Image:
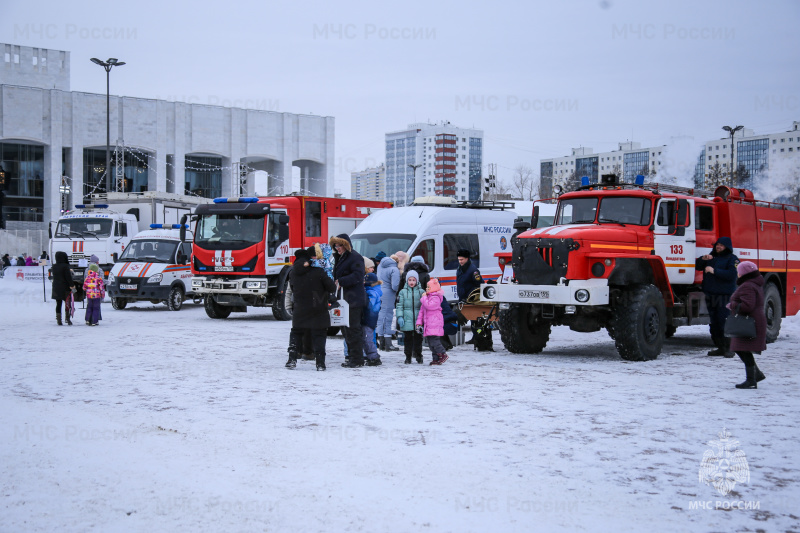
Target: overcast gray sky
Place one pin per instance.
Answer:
(537, 77)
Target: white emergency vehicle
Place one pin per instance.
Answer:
(154, 267)
(436, 229)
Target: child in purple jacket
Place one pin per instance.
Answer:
(430, 321)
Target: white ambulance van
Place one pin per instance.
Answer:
(155, 267)
(436, 229)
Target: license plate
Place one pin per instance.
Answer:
(127, 287)
(223, 269)
(535, 294)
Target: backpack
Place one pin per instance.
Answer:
(483, 332)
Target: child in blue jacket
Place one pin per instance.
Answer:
(369, 319)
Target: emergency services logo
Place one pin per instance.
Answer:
(503, 243)
(723, 464)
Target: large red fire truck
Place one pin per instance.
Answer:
(243, 247)
(622, 257)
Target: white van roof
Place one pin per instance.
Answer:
(416, 219)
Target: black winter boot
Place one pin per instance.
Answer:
(388, 346)
(408, 359)
(760, 375)
(750, 382)
(58, 318)
(321, 363)
(291, 363)
(418, 357)
(67, 319)
(726, 346)
(381, 343)
(720, 346)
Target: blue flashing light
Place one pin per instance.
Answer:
(243, 200)
(245, 268)
(167, 226)
(585, 181)
(101, 206)
(639, 179)
(80, 206)
(202, 268)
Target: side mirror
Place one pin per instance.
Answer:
(114, 257)
(50, 230)
(181, 258)
(283, 233)
(283, 219)
(183, 228)
(535, 217)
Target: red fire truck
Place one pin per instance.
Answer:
(243, 247)
(622, 256)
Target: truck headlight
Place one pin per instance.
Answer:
(197, 283)
(155, 278)
(489, 293)
(582, 295)
(255, 284)
(111, 278)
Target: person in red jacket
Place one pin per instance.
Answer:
(748, 299)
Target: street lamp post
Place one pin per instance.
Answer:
(108, 65)
(415, 167)
(732, 132)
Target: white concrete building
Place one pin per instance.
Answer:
(433, 159)
(369, 184)
(628, 160)
(52, 138)
(756, 154)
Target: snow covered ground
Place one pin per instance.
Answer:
(162, 421)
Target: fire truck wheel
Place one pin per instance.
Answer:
(214, 310)
(773, 309)
(118, 303)
(175, 298)
(282, 305)
(522, 331)
(640, 322)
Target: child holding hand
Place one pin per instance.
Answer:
(407, 310)
(430, 321)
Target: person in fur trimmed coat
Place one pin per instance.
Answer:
(749, 300)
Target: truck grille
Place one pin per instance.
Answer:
(541, 261)
(74, 259)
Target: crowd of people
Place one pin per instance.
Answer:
(25, 260)
(325, 275)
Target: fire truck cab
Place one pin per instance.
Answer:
(243, 247)
(622, 257)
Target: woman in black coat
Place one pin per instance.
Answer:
(62, 284)
(311, 288)
(749, 300)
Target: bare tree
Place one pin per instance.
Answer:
(525, 185)
(716, 176)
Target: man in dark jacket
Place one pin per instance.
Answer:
(311, 287)
(348, 273)
(62, 284)
(719, 282)
(468, 278)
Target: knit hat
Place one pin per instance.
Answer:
(94, 259)
(745, 267)
(370, 279)
(412, 274)
(368, 263)
(433, 285)
(302, 255)
(380, 255)
(94, 268)
(417, 259)
(463, 253)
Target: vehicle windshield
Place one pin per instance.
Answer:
(370, 244)
(229, 232)
(149, 251)
(613, 210)
(84, 227)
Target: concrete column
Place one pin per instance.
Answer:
(289, 151)
(328, 173)
(53, 134)
(78, 142)
(179, 133)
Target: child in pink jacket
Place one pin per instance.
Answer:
(430, 321)
(95, 292)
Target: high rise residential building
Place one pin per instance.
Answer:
(369, 184)
(627, 161)
(433, 159)
(754, 156)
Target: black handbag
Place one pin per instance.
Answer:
(740, 326)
